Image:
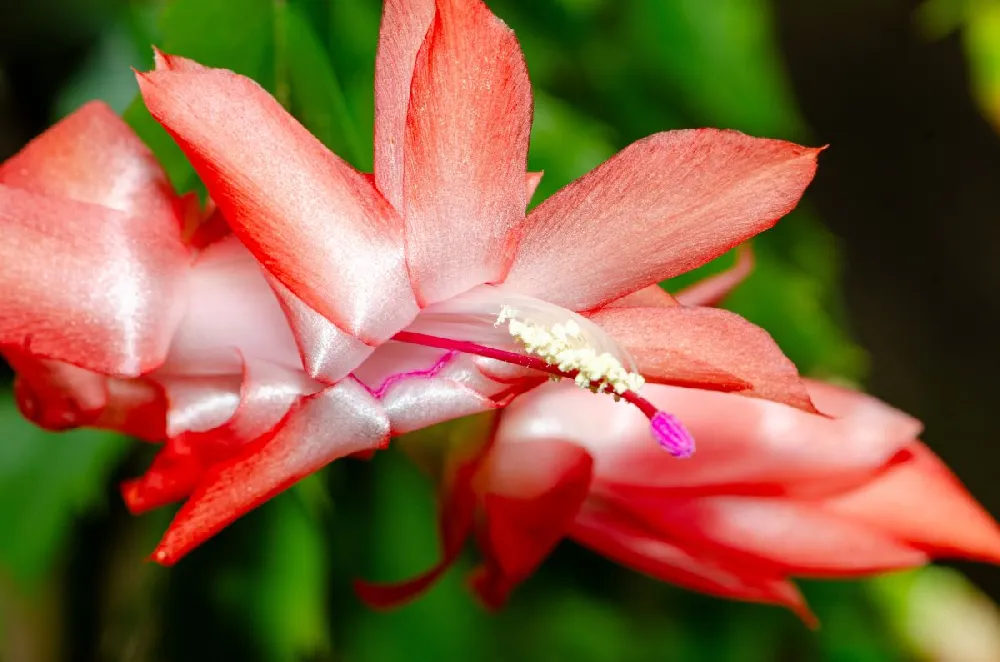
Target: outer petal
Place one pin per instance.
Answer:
(93, 156)
(653, 296)
(614, 535)
(792, 537)
(314, 222)
(466, 147)
(341, 420)
(531, 500)
(87, 284)
(706, 347)
(660, 207)
(714, 289)
(404, 27)
(265, 397)
(744, 445)
(918, 500)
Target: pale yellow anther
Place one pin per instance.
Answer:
(564, 346)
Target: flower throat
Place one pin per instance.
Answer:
(561, 351)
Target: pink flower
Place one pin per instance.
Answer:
(773, 492)
(395, 285)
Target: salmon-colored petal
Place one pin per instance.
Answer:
(93, 156)
(86, 284)
(611, 534)
(662, 206)
(531, 500)
(919, 501)
(404, 27)
(313, 221)
(743, 445)
(338, 421)
(266, 395)
(465, 151)
(793, 537)
(708, 348)
(714, 289)
(653, 296)
(531, 182)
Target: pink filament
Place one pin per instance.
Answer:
(670, 433)
(394, 379)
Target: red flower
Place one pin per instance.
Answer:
(773, 493)
(396, 281)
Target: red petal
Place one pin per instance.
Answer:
(534, 493)
(341, 420)
(404, 27)
(465, 152)
(707, 348)
(86, 284)
(714, 289)
(313, 221)
(628, 542)
(744, 445)
(93, 156)
(918, 500)
(661, 207)
(653, 296)
(792, 537)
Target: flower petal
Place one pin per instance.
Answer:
(313, 221)
(744, 445)
(653, 296)
(404, 27)
(708, 348)
(93, 156)
(465, 152)
(792, 537)
(340, 420)
(662, 206)
(613, 535)
(532, 496)
(918, 500)
(86, 284)
(714, 289)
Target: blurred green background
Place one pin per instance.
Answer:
(906, 93)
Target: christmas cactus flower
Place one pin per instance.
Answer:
(424, 292)
(774, 492)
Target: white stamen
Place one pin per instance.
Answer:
(564, 346)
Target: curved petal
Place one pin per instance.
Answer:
(404, 27)
(918, 500)
(744, 445)
(531, 499)
(714, 289)
(465, 151)
(87, 284)
(232, 315)
(266, 394)
(93, 156)
(313, 221)
(60, 396)
(610, 534)
(662, 206)
(338, 421)
(707, 348)
(653, 296)
(793, 537)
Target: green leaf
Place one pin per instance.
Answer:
(46, 481)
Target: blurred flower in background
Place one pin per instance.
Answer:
(275, 586)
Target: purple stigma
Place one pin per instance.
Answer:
(671, 435)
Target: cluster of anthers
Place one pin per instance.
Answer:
(563, 346)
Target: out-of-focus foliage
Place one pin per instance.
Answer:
(275, 587)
